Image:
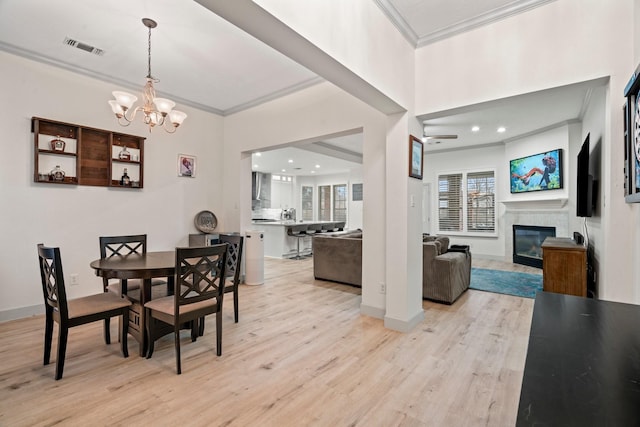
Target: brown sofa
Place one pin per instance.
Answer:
(445, 274)
(338, 257)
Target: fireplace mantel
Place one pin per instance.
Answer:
(535, 204)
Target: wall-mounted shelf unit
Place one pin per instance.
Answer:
(87, 156)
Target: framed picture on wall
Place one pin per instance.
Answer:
(186, 165)
(416, 157)
(632, 139)
(537, 172)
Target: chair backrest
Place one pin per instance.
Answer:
(234, 255)
(55, 295)
(122, 245)
(200, 274)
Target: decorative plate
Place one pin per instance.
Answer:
(206, 221)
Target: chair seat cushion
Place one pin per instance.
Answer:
(166, 305)
(98, 303)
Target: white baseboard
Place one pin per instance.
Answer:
(371, 311)
(21, 313)
(404, 325)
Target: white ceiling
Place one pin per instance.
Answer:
(203, 61)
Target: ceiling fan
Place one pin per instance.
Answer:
(427, 137)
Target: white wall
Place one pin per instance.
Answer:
(553, 139)
(312, 115)
(560, 43)
(594, 125)
(73, 217)
(375, 51)
(487, 158)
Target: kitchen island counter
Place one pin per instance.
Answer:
(278, 244)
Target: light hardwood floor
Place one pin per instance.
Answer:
(301, 355)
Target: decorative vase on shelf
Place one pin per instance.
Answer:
(57, 174)
(57, 144)
(124, 154)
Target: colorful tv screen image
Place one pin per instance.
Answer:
(537, 172)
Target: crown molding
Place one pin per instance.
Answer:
(489, 17)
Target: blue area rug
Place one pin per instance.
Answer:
(506, 282)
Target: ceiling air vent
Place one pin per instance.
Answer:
(83, 46)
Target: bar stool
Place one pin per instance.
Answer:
(299, 232)
(312, 230)
(328, 226)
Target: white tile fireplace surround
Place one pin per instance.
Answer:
(543, 213)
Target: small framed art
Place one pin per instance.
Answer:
(415, 157)
(186, 165)
(632, 139)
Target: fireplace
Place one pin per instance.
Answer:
(527, 242)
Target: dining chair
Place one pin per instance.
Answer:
(234, 261)
(122, 246)
(73, 312)
(232, 271)
(199, 291)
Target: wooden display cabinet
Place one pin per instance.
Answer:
(133, 162)
(88, 156)
(564, 266)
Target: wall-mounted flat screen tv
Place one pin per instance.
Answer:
(537, 172)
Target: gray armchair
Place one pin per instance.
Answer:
(445, 275)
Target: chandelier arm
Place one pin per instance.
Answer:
(124, 123)
(132, 114)
(169, 130)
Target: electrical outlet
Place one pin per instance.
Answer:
(74, 279)
(383, 288)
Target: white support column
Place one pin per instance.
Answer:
(404, 230)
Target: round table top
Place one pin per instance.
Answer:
(136, 266)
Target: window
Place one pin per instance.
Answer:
(324, 203)
(481, 212)
(307, 203)
(340, 202)
(450, 202)
(475, 214)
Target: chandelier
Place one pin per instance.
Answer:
(157, 111)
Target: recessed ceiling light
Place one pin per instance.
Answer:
(502, 129)
(475, 128)
(284, 170)
(290, 160)
(258, 154)
(313, 171)
(255, 166)
(317, 166)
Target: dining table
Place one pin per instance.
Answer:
(144, 266)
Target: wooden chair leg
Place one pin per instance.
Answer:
(201, 326)
(107, 331)
(63, 334)
(176, 334)
(219, 333)
(48, 336)
(124, 331)
(150, 326)
(235, 302)
(195, 329)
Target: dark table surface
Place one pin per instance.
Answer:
(583, 364)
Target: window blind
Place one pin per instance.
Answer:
(481, 211)
(450, 202)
